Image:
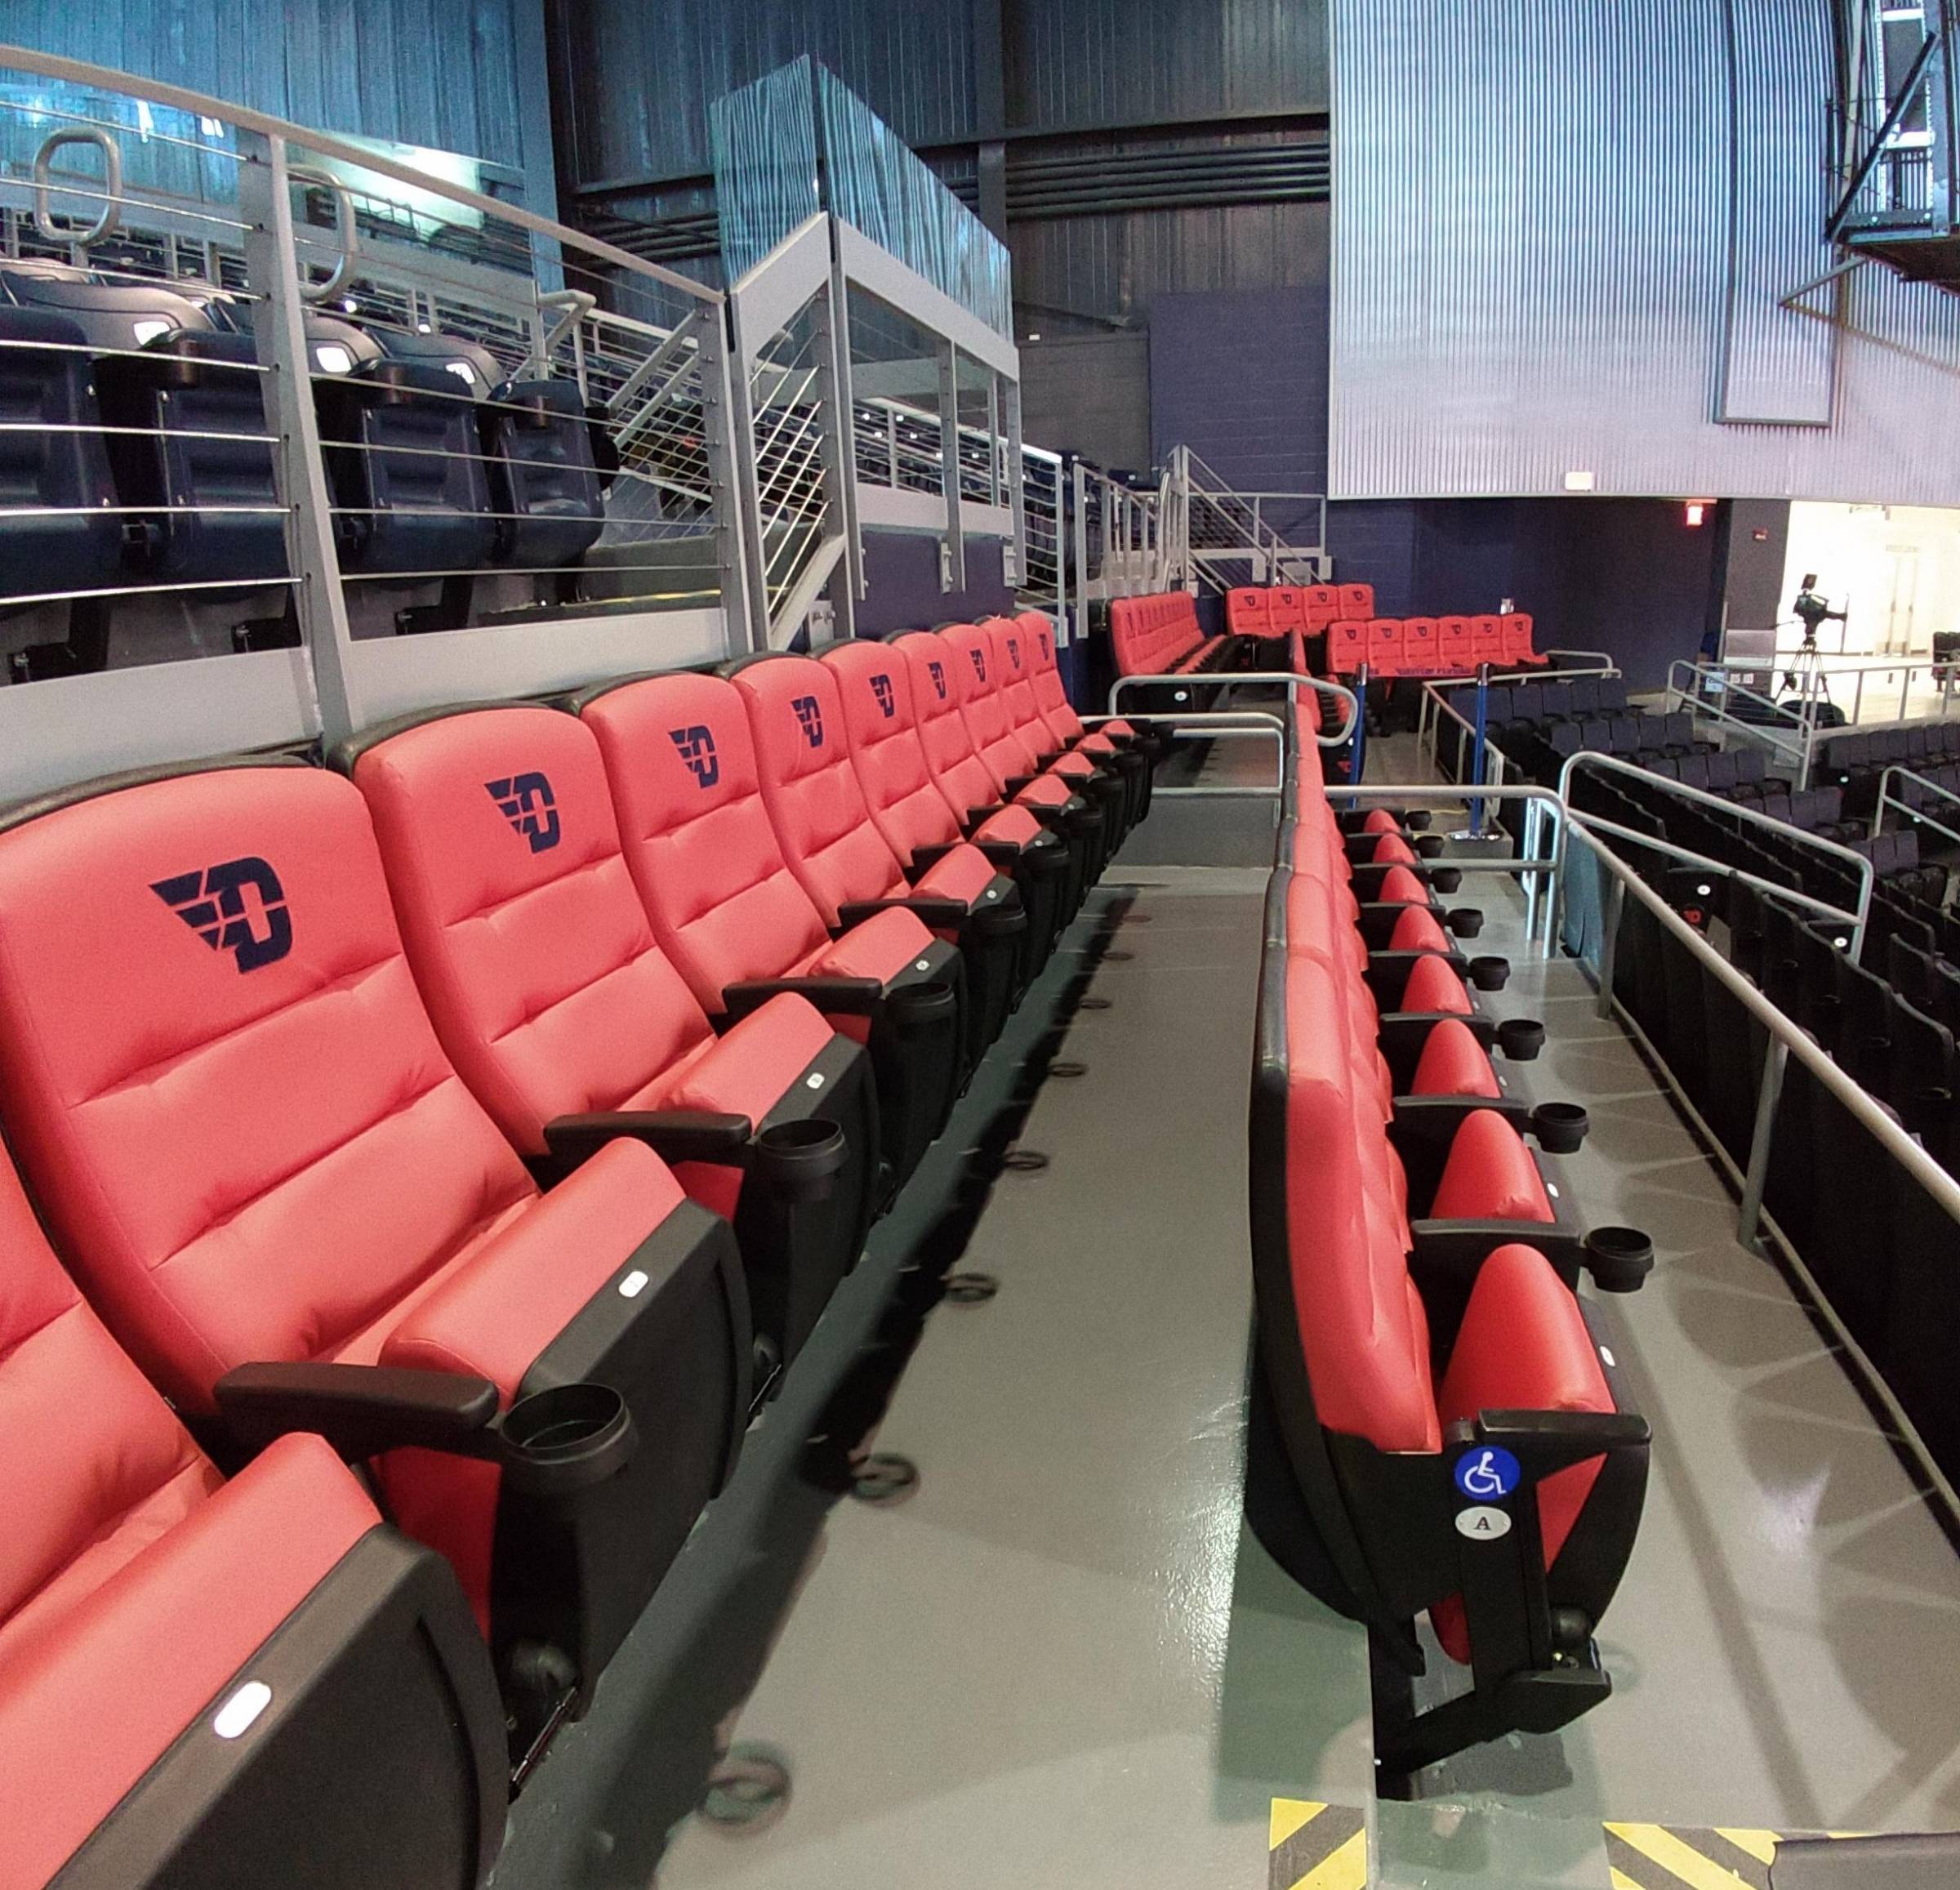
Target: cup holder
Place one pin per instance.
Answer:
(1489, 973)
(915, 1009)
(1430, 846)
(559, 1442)
(1521, 1038)
(1464, 922)
(992, 923)
(1445, 879)
(1618, 1258)
(1416, 819)
(1561, 1127)
(799, 1161)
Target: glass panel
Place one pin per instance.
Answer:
(764, 137)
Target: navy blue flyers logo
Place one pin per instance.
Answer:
(888, 701)
(525, 801)
(1041, 637)
(695, 745)
(937, 671)
(979, 664)
(809, 718)
(1013, 651)
(213, 904)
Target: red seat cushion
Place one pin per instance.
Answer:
(704, 855)
(1416, 930)
(1523, 1345)
(85, 1711)
(1433, 986)
(548, 988)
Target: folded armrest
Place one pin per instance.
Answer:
(673, 1134)
(933, 913)
(360, 1409)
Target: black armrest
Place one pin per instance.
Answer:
(976, 815)
(673, 1134)
(932, 912)
(1619, 1258)
(924, 859)
(1435, 1120)
(1547, 1440)
(837, 996)
(360, 1409)
(1016, 782)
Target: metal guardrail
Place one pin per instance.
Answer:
(1294, 682)
(1433, 705)
(1887, 799)
(1787, 1038)
(1598, 764)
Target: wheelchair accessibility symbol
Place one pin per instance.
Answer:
(1484, 1475)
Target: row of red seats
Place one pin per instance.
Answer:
(496, 1108)
(1432, 646)
(1436, 1427)
(1160, 636)
(1276, 610)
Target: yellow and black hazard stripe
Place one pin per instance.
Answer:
(1689, 1857)
(1317, 1847)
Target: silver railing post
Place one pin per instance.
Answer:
(1756, 1177)
(719, 421)
(300, 472)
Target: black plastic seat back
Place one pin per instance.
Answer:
(1527, 703)
(544, 483)
(407, 463)
(199, 453)
(58, 530)
(1581, 696)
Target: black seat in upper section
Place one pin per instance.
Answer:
(200, 455)
(404, 457)
(113, 315)
(52, 463)
(542, 470)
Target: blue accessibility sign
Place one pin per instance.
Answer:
(1487, 1473)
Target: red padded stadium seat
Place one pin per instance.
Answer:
(1286, 610)
(139, 1592)
(1322, 605)
(1159, 635)
(1381, 820)
(1356, 600)
(1052, 698)
(1347, 645)
(1454, 656)
(1246, 611)
(1385, 646)
(554, 1000)
(1514, 634)
(258, 1155)
(1421, 651)
(881, 725)
(817, 805)
(1453, 1063)
(1486, 639)
(735, 920)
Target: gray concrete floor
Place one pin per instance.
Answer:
(1063, 1662)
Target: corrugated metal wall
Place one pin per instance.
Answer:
(456, 75)
(1539, 208)
(642, 73)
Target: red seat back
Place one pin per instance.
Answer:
(1347, 646)
(1246, 612)
(1013, 664)
(1385, 646)
(1356, 600)
(548, 988)
(1514, 634)
(1287, 610)
(1152, 636)
(1486, 639)
(1453, 656)
(1322, 606)
(681, 764)
(958, 770)
(258, 1147)
(1419, 656)
(803, 763)
(881, 724)
(1064, 725)
(983, 701)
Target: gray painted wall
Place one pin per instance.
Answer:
(1088, 395)
(1561, 230)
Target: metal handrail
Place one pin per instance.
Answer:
(1787, 1038)
(1294, 683)
(1612, 764)
(1597, 663)
(1887, 799)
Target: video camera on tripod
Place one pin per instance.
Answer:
(1805, 678)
